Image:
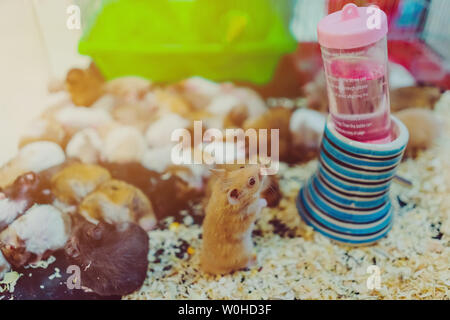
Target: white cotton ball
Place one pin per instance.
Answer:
(39, 156)
(158, 159)
(223, 103)
(105, 102)
(131, 88)
(255, 104)
(202, 86)
(159, 132)
(42, 228)
(231, 98)
(199, 91)
(124, 144)
(81, 117)
(85, 145)
(306, 128)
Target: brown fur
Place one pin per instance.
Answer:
(84, 86)
(227, 227)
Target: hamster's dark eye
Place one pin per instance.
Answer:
(251, 181)
(234, 193)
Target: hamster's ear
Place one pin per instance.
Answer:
(233, 196)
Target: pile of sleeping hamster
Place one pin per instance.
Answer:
(94, 174)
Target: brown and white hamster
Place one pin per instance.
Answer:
(115, 201)
(33, 236)
(74, 182)
(27, 190)
(112, 258)
(230, 215)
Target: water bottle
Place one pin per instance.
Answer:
(354, 51)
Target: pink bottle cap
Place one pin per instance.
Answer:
(352, 27)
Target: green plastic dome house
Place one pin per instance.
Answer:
(169, 40)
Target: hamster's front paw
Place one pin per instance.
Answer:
(257, 206)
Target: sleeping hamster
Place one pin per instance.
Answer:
(112, 258)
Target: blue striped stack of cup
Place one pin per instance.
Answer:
(347, 199)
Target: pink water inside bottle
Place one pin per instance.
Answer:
(354, 51)
(359, 99)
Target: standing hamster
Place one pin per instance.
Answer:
(230, 215)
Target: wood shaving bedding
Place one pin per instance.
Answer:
(296, 262)
(293, 261)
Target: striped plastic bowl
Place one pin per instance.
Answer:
(347, 199)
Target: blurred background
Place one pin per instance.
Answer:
(270, 45)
